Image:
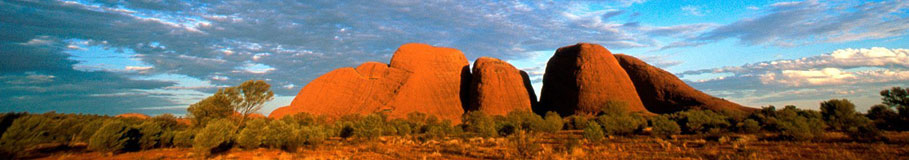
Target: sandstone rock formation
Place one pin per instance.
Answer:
(497, 87)
(663, 92)
(132, 115)
(420, 78)
(437, 85)
(584, 77)
(363, 90)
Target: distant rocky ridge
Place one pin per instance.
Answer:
(438, 81)
(663, 92)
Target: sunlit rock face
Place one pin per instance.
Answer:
(497, 88)
(362, 90)
(437, 85)
(420, 78)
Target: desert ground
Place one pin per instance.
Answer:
(562, 145)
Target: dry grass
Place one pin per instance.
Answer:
(562, 145)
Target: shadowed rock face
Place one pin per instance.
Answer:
(366, 89)
(497, 88)
(584, 77)
(663, 92)
(437, 85)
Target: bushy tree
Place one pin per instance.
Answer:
(883, 117)
(245, 99)
(840, 115)
(252, 95)
(898, 98)
(480, 124)
(217, 106)
(662, 126)
(215, 137)
(115, 136)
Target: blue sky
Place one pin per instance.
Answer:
(159, 56)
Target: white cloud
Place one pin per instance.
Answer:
(693, 10)
(841, 58)
(857, 73)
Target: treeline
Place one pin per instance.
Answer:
(223, 121)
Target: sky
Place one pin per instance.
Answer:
(160, 56)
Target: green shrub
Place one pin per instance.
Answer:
(89, 129)
(621, 124)
(370, 127)
(312, 135)
(167, 121)
(525, 145)
(479, 123)
(865, 133)
(253, 134)
(577, 122)
(552, 123)
(439, 130)
(6, 120)
(525, 120)
(151, 132)
(215, 137)
(25, 131)
(184, 138)
(840, 115)
(700, 121)
(65, 128)
(800, 128)
(115, 136)
(167, 138)
(750, 126)
(403, 127)
(594, 132)
(792, 125)
(506, 128)
(279, 135)
(663, 126)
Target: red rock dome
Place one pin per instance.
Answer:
(584, 77)
(366, 89)
(438, 81)
(497, 88)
